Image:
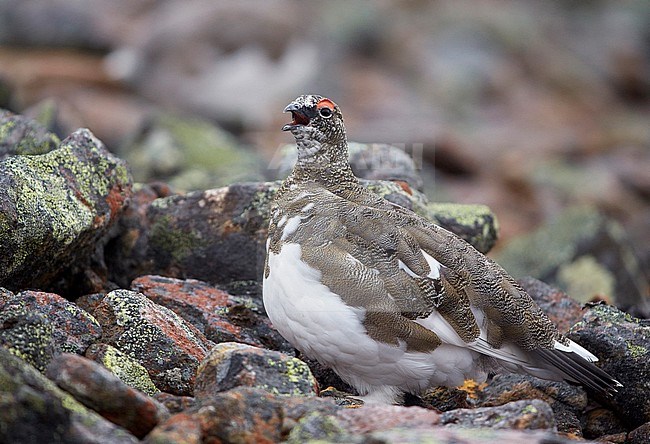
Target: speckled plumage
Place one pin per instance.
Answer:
(390, 301)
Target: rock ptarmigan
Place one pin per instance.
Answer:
(391, 302)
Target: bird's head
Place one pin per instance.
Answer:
(317, 121)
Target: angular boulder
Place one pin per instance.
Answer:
(54, 208)
(34, 410)
(162, 342)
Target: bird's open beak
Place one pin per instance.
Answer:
(299, 117)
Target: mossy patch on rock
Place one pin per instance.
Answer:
(54, 207)
(123, 366)
(583, 253)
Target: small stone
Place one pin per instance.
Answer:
(445, 398)
(219, 315)
(622, 343)
(317, 427)
(181, 428)
(444, 435)
(174, 403)
(123, 366)
(231, 365)
(100, 390)
(520, 415)
(599, 422)
(162, 342)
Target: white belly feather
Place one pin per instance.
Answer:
(317, 322)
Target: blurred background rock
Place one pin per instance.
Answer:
(533, 108)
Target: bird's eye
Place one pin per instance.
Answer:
(325, 112)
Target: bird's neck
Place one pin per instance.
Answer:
(329, 167)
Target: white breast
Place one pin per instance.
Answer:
(321, 325)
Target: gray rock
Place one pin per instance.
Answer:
(231, 365)
(55, 207)
(162, 342)
(97, 388)
(528, 415)
(583, 253)
(622, 343)
(34, 410)
(567, 401)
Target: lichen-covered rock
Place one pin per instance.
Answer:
(220, 316)
(173, 236)
(167, 346)
(34, 410)
(127, 369)
(55, 207)
(19, 135)
(100, 390)
(567, 401)
(476, 224)
(231, 365)
(190, 154)
(622, 343)
(584, 254)
(37, 326)
(521, 415)
(562, 309)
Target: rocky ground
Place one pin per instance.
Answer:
(131, 253)
(129, 312)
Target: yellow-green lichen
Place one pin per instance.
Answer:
(128, 370)
(172, 240)
(636, 351)
(297, 370)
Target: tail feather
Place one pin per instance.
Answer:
(578, 369)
